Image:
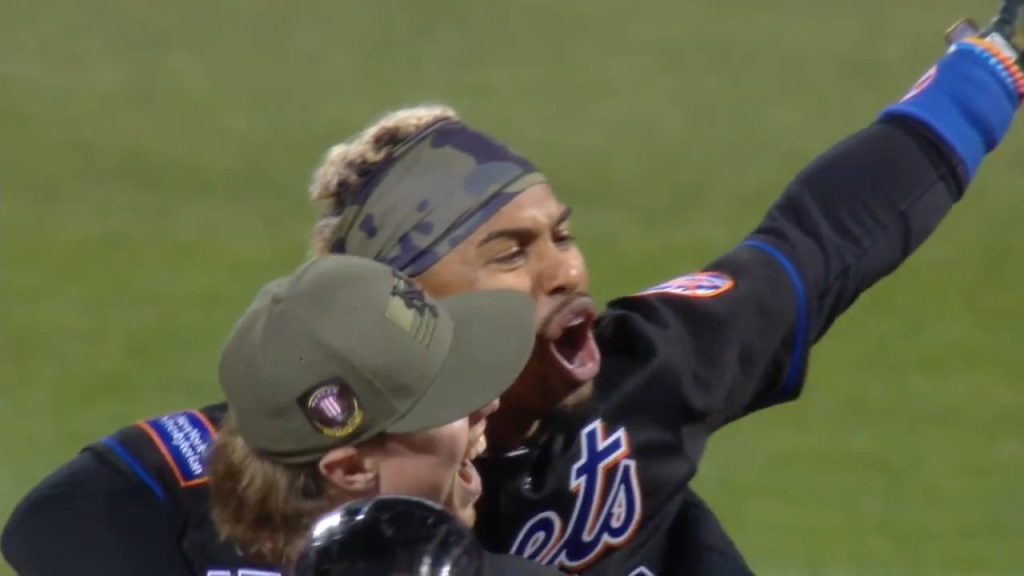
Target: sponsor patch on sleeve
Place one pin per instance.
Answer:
(182, 438)
(695, 285)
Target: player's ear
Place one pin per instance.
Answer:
(353, 470)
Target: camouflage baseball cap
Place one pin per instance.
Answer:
(347, 348)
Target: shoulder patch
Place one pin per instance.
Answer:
(695, 285)
(182, 438)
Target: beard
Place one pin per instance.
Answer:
(536, 395)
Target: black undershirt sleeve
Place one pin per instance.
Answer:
(858, 211)
(90, 518)
(846, 221)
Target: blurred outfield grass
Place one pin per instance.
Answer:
(153, 165)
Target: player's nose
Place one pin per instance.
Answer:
(560, 274)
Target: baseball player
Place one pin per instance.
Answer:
(594, 446)
(346, 382)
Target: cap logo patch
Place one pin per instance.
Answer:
(332, 408)
(696, 285)
(409, 310)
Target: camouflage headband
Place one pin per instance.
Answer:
(435, 191)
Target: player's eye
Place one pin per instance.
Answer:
(564, 238)
(511, 257)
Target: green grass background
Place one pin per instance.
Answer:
(154, 158)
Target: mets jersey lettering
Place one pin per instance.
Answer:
(607, 511)
(242, 572)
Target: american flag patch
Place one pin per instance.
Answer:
(696, 285)
(330, 406)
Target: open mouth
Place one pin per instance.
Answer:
(477, 446)
(470, 479)
(569, 332)
(468, 474)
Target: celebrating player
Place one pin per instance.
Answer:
(594, 446)
(346, 382)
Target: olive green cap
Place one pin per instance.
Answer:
(347, 348)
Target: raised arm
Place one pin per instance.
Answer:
(735, 337)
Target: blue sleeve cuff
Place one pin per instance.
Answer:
(968, 99)
(791, 386)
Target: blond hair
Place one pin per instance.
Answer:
(347, 166)
(264, 507)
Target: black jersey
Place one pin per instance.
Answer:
(136, 502)
(605, 490)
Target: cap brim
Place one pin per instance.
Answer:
(492, 341)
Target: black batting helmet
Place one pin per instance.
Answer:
(390, 536)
